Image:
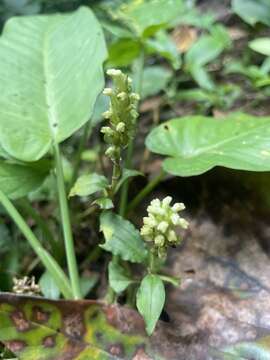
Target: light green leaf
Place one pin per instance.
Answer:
(122, 238)
(18, 180)
(261, 45)
(104, 203)
(48, 286)
(123, 52)
(51, 74)
(155, 79)
(163, 45)
(196, 144)
(150, 300)
(147, 17)
(118, 279)
(252, 11)
(88, 184)
(127, 173)
(205, 50)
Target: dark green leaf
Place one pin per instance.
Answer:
(88, 184)
(122, 238)
(118, 278)
(150, 300)
(196, 144)
(87, 283)
(104, 203)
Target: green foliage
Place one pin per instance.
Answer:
(121, 238)
(150, 300)
(205, 50)
(196, 144)
(118, 278)
(48, 286)
(17, 180)
(51, 83)
(261, 45)
(155, 79)
(252, 11)
(89, 184)
(127, 174)
(147, 17)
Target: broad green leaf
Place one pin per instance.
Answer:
(252, 11)
(18, 180)
(127, 174)
(155, 79)
(88, 184)
(150, 300)
(51, 74)
(196, 144)
(122, 238)
(261, 45)
(48, 286)
(123, 52)
(118, 278)
(41, 329)
(147, 17)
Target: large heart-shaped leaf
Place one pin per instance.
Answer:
(18, 180)
(196, 144)
(40, 329)
(51, 74)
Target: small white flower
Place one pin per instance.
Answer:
(159, 240)
(163, 226)
(121, 127)
(122, 96)
(172, 236)
(178, 207)
(175, 219)
(107, 114)
(146, 230)
(135, 96)
(114, 72)
(107, 91)
(167, 200)
(183, 223)
(155, 202)
(150, 222)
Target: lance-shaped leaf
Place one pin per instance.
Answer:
(51, 74)
(196, 144)
(122, 238)
(40, 329)
(18, 180)
(88, 184)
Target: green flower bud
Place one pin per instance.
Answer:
(121, 127)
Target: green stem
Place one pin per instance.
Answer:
(66, 226)
(48, 261)
(30, 211)
(115, 177)
(145, 191)
(139, 81)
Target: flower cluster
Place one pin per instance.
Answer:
(160, 224)
(122, 114)
(26, 286)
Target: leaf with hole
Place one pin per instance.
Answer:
(41, 329)
(196, 144)
(51, 74)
